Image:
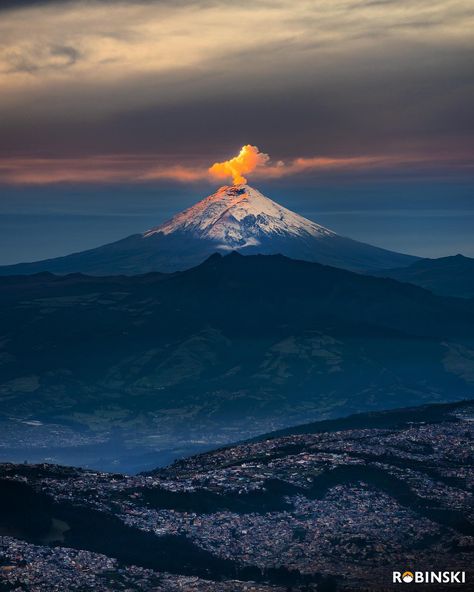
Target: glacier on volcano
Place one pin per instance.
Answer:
(234, 218)
(238, 216)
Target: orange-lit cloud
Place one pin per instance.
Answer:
(140, 169)
(95, 169)
(247, 160)
(301, 164)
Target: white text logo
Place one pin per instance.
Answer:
(429, 577)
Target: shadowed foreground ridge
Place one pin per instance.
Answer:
(107, 372)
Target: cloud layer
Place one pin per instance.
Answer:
(185, 83)
(112, 169)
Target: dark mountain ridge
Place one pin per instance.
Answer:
(237, 346)
(447, 276)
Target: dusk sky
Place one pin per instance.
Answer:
(112, 113)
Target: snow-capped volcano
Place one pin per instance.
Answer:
(236, 217)
(240, 216)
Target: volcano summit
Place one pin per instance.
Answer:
(236, 217)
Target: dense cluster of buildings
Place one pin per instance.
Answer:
(339, 504)
(56, 569)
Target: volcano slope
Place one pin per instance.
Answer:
(236, 217)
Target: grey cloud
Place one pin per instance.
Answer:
(16, 4)
(71, 54)
(369, 3)
(298, 95)
(21, 63)
(386, 110)
(44, 60)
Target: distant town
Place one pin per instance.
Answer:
(336, 510)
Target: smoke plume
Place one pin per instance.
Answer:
(248, 159)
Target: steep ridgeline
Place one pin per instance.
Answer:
(234, 218)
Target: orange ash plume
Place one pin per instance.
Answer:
(247, 160)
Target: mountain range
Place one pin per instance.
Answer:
(97, 370)
(448, 276)
(236, 217)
